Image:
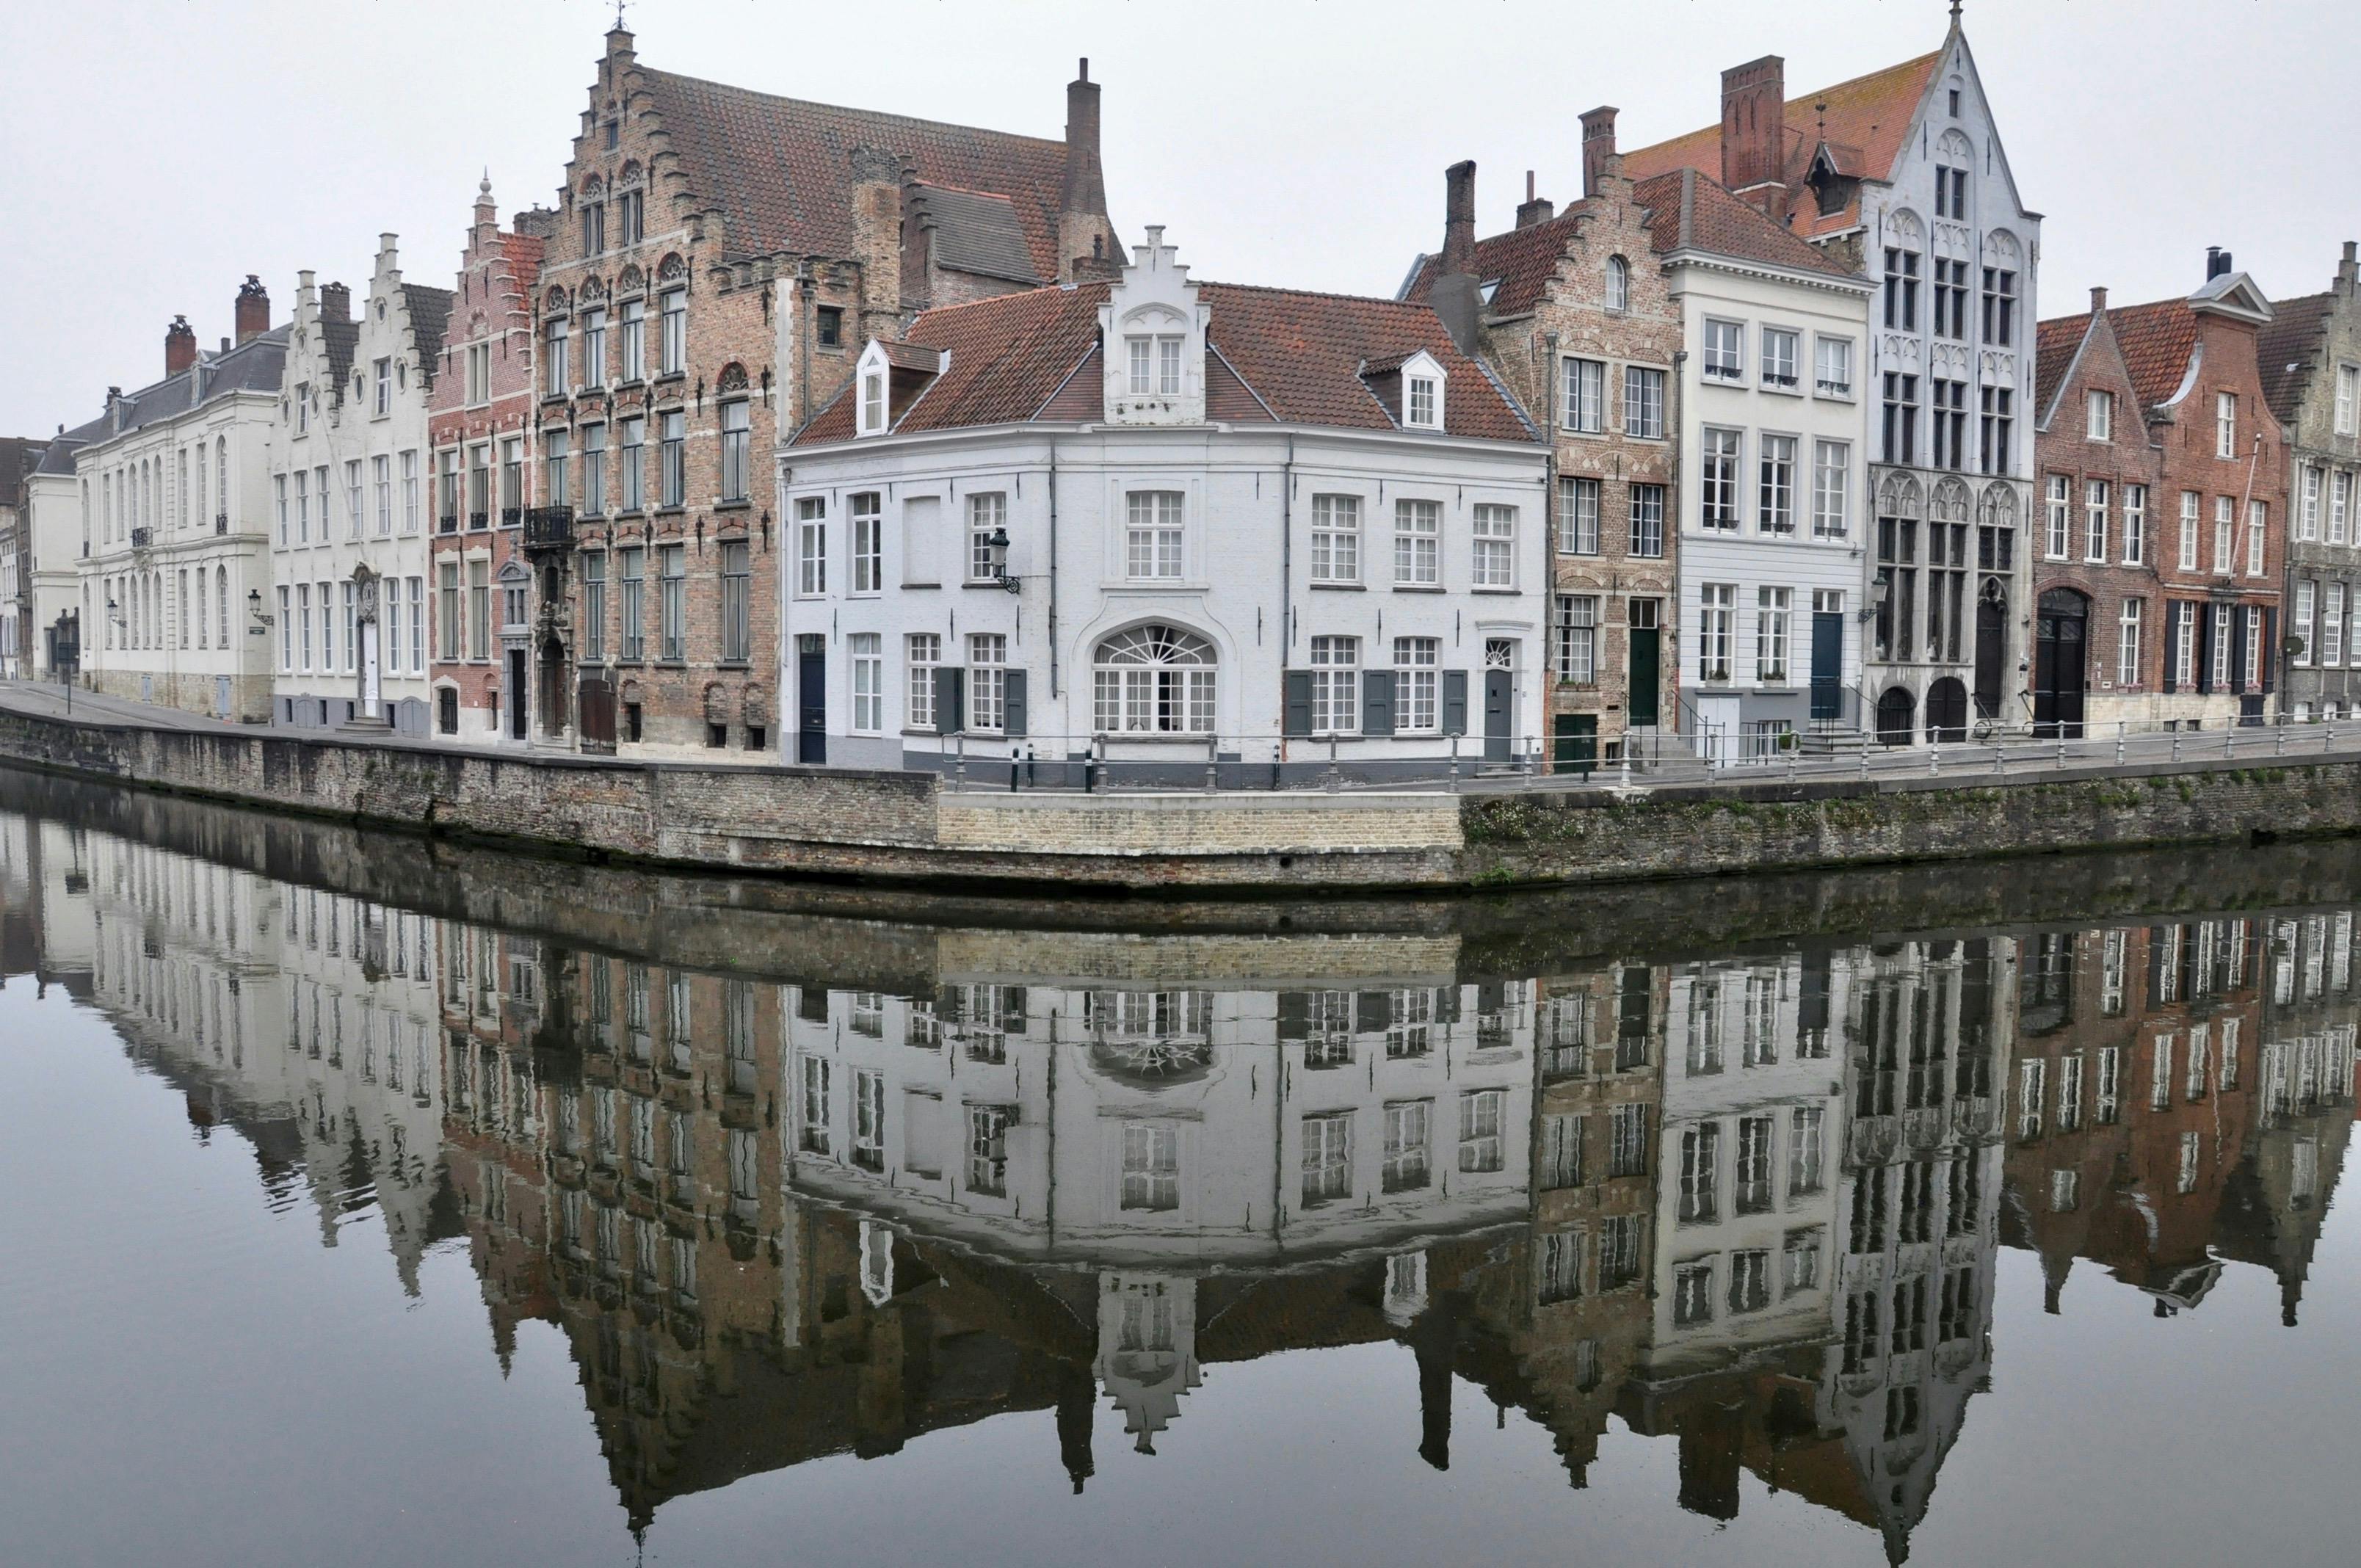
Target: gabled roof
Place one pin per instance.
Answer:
(780, 170)
(18, 454)
(2287, 351)
(975, 231)
(337, 341)
(2055, 343)
(2156, 341)
(1273, 354)
(430, 318)
(1864, 122)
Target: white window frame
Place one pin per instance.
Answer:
(2099, 416)
(2128, 632)
(2135, 525)
(1335, 686)
(1775, 492)
(1832, 367)
(866, 652)
(1723, 357)
(1578, 501)
(1717, 628)
(1577, 639)
(1782, 350)
(1493, 546)
(811, 546)
(1418, 685)
(1831, 489)
(2348, 400)
(2058, 538)
(1155, 536)
(2226, 424)
(1773, 627)
(1644, 402)
(2094, 521)
(1418, 542)
(1582, 403)
(1335, 539)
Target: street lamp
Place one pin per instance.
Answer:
(997, 549)
(254, 608)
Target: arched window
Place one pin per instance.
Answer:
(1619, 284)
(1153, 680)
(1894, 710)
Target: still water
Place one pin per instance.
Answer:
(379, 1202)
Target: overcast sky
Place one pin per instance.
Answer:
(162, 151)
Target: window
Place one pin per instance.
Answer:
(383, 403)
(594, 347)
(634, 472)
(555, 460)
(1327, 1159)
(304, 508)
(1692, 1293)
(673, 433)
(1335, 686)
(2258, 518)
(868, 542)
(1999, 432)
(1619, 284)
(1418, 527)
(479, 609)
(446, 611)
(1950, 189)
(2099, 416)
(672, 603)
(1950, 298)
(1644, 402)
(1779, 357)
(1718, 479)
(1773, 609)
(2226, 527)
(2134, 524)
(593, 607)
(1946, 424)
(872, 402)
(1902, 289)
(1406, 1167)
(553, 358)
(480, 485)
(1775, 496)
(1495, 563)
(512, 481)
(1154, 367)
(737, 448)
(1559, 1275)
(1578, 516)
(2226, 424)
(512, 606)
(1831, 486)
(1832, 367)
(828, 326)
(278, 504)
(1419, 400)
(2340, 504)
(1152, 536)
(1700, 1146)
(1577, 638)
(1335, 539)
(2127, 643)
(672, 307)
(594, 227)
(1807, 1149)
(1585, 395)
(737, 598)
(1901, 427)
(2332, 626)
(811, 546)
(1725, 352)
(479, 373)
(1717, 611)
(634, 607)
(868, 682)
(594, 469)
(635, 340)
(1648, 520)
(303, 409)
(352, 500)
(2000, 307)
(410, 519)
(923, 653)
(2188, 556)
(1482, 1112)
(1153, 680)
(2094, 519)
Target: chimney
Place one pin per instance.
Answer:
(1082, 227)
(2217, 262)
(1597, 146)
(252, 315)
(180, 345)
(2098, 300)
(1459, 217)
(225, 348)
(1534, 209)
(336, 302)
(1754, 123)
(2348, 271)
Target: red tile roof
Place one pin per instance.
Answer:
(1865, 120)
(2156, 341)
(780, 170)
(1278, 354)
(2056, 342)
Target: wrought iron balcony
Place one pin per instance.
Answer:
(511, 516)
(450, 523)
(221, 522)
(549, 528)
(140, 538)
(479, 519)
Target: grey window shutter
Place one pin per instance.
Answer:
(2270, 651)
(951, 700)
(1373, 1011)
(2205, 614)
(1012, 704)
(1298, 716)
(2171, 641)
(1455, 702)
(1376, 702)
(1446, 1004)
(1294, 1015)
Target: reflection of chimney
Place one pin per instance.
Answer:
(1597, 146)
(1754, 123)
(252, 315)
(1431, 1341)
(1459, 216)
(1534, 209)
(2217, 262)
(1077, 1409)
(180, 345)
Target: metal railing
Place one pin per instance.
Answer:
(1118, 762)
(2033, 746)
(549, 528)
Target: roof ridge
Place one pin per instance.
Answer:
(1057, 142)
(1318, 294)
(1900, 65)
(1012, 294)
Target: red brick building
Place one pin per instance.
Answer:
(479, 428)
(719, 258)
(2211, 525)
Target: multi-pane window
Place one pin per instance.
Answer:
(2225, 530)
(1901, 427)
(2340, 504)
(2058, 538)
(1772, 612)
(381, 490)
(594, 469)
(1700, 1151)
(1750, 1279)
(594, 347)
(2127, 643)
(2307, 514)
(479, 609)
(737, 448)
(1831, 486)
(2099, 416)
(1644, 402)
(1774, 510)
(1950, 298)
(2094, 519)
(1716, 613)
(446, 613)
(1832, 367)
(2258, 518)
(1585, 395)
(1578, 516)
(987, 681)
(1717, 478)
(868, 517)
(1415, 679)
(556, 459)
(635, 340)
(633, 606)
(736, 599)
(873, 402)
(2188, 553)
(673, 326)
(1495, 563)
(352, 499)
(2226, 424)
(1902, 289)
(923, 653)
(1725, 353)
(1151, 1166)
(1999, 429)
(2332, 626)
(1619, 284)
(594, 606)
(987, 518)
(1418, 401)
(1946, 423)
(1647, 502)
(1418, 546)
(479, 373)
(1693, 1293)
(1327, 1165)
(1335, 539)
(1482, 1112)
(671, 605)
(1152, 536)
(1780, 354)
(673, 431)
(1577, 638)
(1335, 686)
(867, 649)
(811, 546)
(1558, 1271)
(2000, 306)
(634, 468)
(1950, 191)
(1407, 1167)
(2134, 524)
(554, 358)
(1807, 1148)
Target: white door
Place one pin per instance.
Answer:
(371, 702)
(1716, 729)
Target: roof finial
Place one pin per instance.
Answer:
(619, 13)
(1955, 11)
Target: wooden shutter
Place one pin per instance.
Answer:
(2171, 646)
(1373, 1011)
(1294, 1015)
(1296, 718)
(2269, 651)
(1455, 702)
(1376, 702)
(950, 699)
(2204, 613)
(1012, 705)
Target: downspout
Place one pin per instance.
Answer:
(1668, 625)
(1545, 667)
(1286, 580)
(2246, 511)
(1053, 575)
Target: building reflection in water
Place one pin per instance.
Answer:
(1750, 1203)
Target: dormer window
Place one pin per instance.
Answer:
(1155, 365)
(1421, 392)
(1154, 333)
(873, 402)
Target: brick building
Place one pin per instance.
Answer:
(2311, 355)
(719, 257)
(480, 426)
(2221, 480)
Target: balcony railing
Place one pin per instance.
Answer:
(549, 528)
(479, 519)
(221, 522)
(450, 523)
(140, 538)
(511, 516)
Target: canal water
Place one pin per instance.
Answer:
(375, 1201)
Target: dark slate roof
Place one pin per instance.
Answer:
(973, 231)
(18, 454)
(1275, 354)
(255, 366)
(430, 318)
(780, 170)
(58, 457)
(337, 341)
(2287, 351)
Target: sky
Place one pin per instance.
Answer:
(164, 150)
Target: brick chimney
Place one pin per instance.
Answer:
(2098, 300)
(1754, 123)
(2348, 272)
(1597, 146)
(180, 345)
(336, 302)
(1082, 228)
(252, 315)
(1534, 209)
(1459, 217)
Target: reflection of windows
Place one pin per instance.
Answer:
(1480, 1112)
(1627, 1141)
(1327, 1159)
(2065, 1190)
(1753, 1195)
(1558, 1270)
(1619, 1251)
(1700, 1147)
(1407, 1125)
(1412, 1029)
(1750, 1279)
(1956, 1318)
(1561, 1152)
(1693, 1293)
(987, 1149)
(1799, 1261)
(1861, 1330)
(1806, 1150)
(1151, 1166)
(1909, 1316)
(1566, 1039)
(869, 1120)
(812, 1109)
(1868, 1212)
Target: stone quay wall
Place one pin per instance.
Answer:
(903, 827)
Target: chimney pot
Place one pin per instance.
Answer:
(2217, 262)
(1459, 217)
(251, 314)
(180, 345)
(2097, 299)
(1597, 146)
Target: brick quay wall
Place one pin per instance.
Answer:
(895, 826)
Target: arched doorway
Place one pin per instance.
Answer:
(1896, 710)
(1153, 679)
(1946, 711)
(2061, 662)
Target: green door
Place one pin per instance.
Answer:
(1574, 743)
(1642, 698)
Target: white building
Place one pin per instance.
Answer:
(1164, 520)
(58, 520)
(171, 489)
(1772, 476)
(348, 483)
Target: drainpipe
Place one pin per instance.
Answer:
(1053, 575)
(1544, 669)
(1668, 626)
(1286, 580)
(2246, 511)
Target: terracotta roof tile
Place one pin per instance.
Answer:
(780, 169)
(2156, 341)
(2056, 342)
(2287, 351)
(1522, 261)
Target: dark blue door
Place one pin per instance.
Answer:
(1828, 666)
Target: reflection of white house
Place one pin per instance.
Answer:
(1170, 519)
